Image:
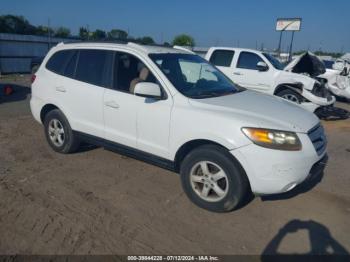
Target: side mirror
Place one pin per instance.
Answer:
(262, 66)
(149, 90)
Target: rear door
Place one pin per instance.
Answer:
(86, 76)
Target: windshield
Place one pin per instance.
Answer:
(193, 76)
(276, 64)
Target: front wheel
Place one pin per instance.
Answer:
(290, 95)
(213, 180)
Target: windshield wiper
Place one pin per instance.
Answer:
(214, 94)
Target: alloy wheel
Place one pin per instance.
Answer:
(56, 132)
(209, 181)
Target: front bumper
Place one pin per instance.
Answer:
(320, 101)
(273, 171)
(317, 169)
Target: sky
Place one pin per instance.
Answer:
(244, 23)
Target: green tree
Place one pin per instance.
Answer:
(16, 25)
(117, 34)
(44, 30)
(83, 33)
(62, 32)
(184, 40)
(98, 35)
(146, 40)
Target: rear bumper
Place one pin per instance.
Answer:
(36, 105)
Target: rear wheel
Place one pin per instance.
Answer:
(290, 95)
(59, 134)
(213, 180)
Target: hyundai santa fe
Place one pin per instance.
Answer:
(174, 109)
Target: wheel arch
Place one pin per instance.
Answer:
(46, 109)
(193, 144)
(187, 147)
(297, 87)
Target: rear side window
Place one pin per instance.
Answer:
(69, 70)
(248, 60)
(222, 57)
(59, 60)
(95, 67)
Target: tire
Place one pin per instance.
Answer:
(290, 95)
(59, 134)
(235, 185)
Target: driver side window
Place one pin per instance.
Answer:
(248, 60)
(128, 71)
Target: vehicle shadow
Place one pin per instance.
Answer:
(321, 243)
(300, 189)
(85, 147)
(19, 93)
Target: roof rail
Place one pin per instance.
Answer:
(96, 42)
(183, 49)
(138, 46)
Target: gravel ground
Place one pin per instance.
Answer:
(99, 202)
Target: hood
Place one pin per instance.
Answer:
(307, 63)
(260, 110)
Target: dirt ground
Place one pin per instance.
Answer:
(99, 202)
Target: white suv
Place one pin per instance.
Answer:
(176, 110)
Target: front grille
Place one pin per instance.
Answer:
(318, 138)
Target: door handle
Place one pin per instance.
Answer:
(237, 73)
(112, 104)
(60, 89)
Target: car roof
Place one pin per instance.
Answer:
(145, 49)
(237, 49)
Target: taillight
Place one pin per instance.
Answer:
(33, 78)
(8, 90)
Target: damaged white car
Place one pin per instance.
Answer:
(262, 72)
(342, 65)
(336, 80)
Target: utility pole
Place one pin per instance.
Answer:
(291, 47)
(88, 32)
(48, 34)
(279, 44)
(161, 38)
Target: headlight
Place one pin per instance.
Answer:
(275, 139)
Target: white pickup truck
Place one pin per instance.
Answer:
(261, 72)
